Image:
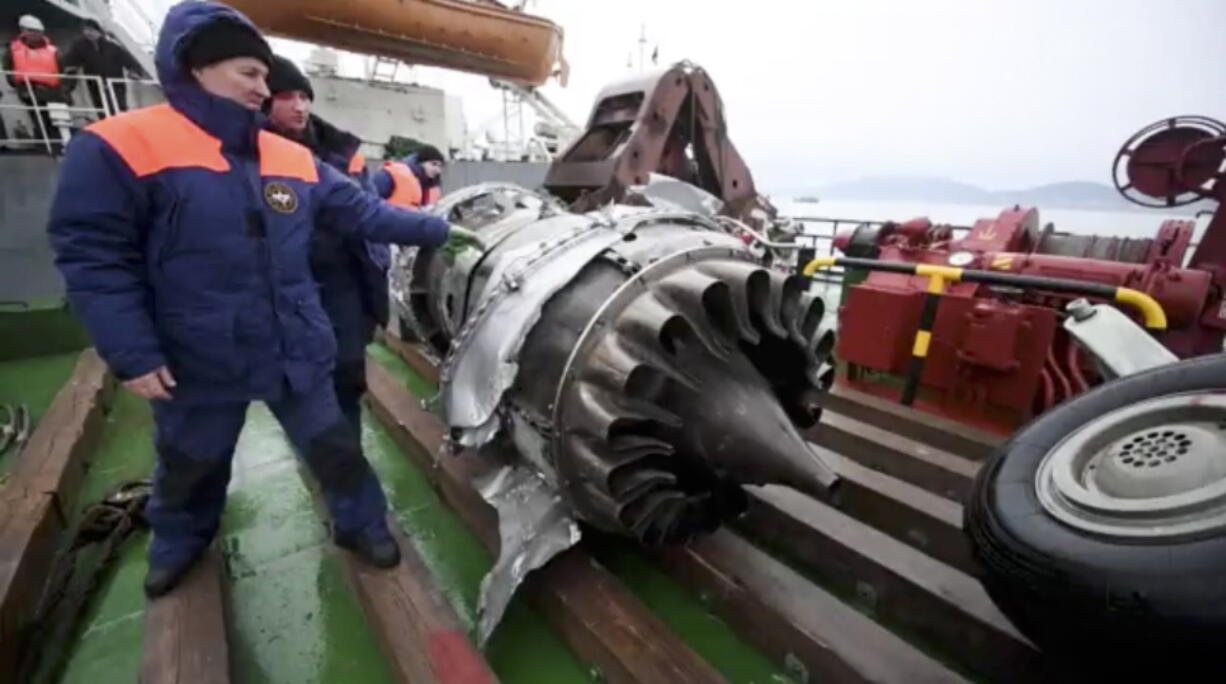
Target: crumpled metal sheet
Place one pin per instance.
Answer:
(485, 367)
(534, 525)
(666, 192)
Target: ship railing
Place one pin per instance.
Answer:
(818, 234)
(46, 124)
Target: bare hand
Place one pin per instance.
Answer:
(154, 385)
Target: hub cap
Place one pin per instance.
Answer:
(1153, 471)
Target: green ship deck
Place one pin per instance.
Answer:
(875, 589)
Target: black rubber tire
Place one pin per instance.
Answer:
(1104, 607)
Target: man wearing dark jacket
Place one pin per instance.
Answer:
(93, 54)
(351, 272)
(182, 232)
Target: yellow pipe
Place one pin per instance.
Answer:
(820, 262)
(1155, 317)
(947, 272)
(936, 283)
(923, 340)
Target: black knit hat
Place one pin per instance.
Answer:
(222, 40)
(428, 153)
(285, 77)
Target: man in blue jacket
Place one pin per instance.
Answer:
(351, 272)
(182, 231)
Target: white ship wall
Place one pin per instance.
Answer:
(377, 112)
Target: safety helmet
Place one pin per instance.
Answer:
(30, 22)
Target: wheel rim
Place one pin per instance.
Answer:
(1153, 471)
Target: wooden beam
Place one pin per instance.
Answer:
(37, 501)
(918, 518)
(412, 354)
(600, 620)
(923, 465)
(793, 620)
(185, 630)
(53, 461)
(418, 630)
(942, 433)
(946, 608)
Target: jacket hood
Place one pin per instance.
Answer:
(234, 124)
(415, 166)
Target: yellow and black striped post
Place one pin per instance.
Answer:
(923, 336)
(938, 276)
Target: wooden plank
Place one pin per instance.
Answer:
(411, 353)
(942, 433)
(793, 620)
(925, 466)
(418, 630)
(600, 620)
(53, 461)
(185, 630)
(918, 518)
(37, 501)
(29, 531)
(942, 606)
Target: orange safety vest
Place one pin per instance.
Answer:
(356, 163)
(36, 65)
(406, 189)
(139, 138)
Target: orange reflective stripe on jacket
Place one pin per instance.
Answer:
(282, 157)
(356, 163)
(406, 189)
(157, 138)
(36, 65)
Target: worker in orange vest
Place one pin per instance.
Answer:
(412, 181)
(32, 68)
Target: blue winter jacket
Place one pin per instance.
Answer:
(187, 246)
(351, 272)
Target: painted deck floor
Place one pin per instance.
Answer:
(291, 615)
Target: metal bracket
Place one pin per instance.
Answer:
(1121, 346)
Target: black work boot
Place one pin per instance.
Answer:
(381, 552)
(161, 579)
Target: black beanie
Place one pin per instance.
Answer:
(428, 153)
(222, 40)
(285, 77)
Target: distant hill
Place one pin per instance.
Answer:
(1067, 195)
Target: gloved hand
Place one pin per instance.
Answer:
(460, 239)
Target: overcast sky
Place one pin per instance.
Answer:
(1000, 93)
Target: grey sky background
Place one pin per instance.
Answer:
(999, 93)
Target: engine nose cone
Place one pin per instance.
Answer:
(737, 425)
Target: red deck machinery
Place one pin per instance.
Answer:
(998, 355)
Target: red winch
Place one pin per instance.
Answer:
(998, 354)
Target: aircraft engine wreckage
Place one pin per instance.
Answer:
(632, 367)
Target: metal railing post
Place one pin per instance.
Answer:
(38, 116)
